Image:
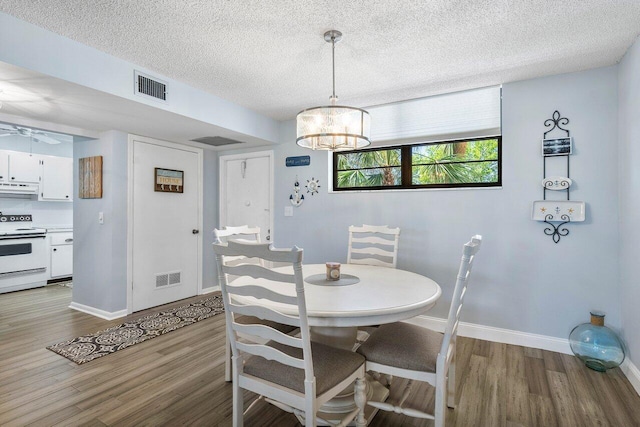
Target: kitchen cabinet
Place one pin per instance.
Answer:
(24, 167)
(4, 166)
(61, 250)
(57, 178)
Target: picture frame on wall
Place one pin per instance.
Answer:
(557, 146)
(168, 180)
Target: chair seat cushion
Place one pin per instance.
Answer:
(403, 345)
(252, 320)
(330, 366)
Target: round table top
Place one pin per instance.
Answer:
(383, 295)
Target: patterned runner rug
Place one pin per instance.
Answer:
(89, 347)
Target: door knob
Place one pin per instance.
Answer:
(194, 231)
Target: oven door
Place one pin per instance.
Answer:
(22, 260)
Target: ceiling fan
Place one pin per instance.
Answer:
(35, 135)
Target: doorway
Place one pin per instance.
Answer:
(246, 191)
(165, 222)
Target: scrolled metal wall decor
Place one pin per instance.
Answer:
(557, 147)
(556, 120)
(554, 230)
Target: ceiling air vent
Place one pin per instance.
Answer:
(216, 141)
(150, 86)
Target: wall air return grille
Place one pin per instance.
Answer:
(216, 141)
(150, 86)
(168, 279)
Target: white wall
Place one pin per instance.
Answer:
(522, 280)
(629, 136)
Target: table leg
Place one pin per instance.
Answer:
(344, 338)
(344, 403)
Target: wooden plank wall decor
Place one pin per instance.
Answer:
(90, 186)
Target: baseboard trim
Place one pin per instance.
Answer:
(633, 374)
(506, 336)
(210, 290)
(107, 315)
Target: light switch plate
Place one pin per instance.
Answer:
(288, 211)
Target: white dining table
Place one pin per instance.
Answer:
(335, 309)
(364, 296)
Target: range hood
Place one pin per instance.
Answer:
(11, 188)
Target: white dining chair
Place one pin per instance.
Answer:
(373, 245)
(289, 371)
(242, 233)
(420, 354)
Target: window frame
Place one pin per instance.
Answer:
(406, 167)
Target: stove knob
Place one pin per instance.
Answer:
(27, 218)
(13, 218)
(21, 218)
(3, 219)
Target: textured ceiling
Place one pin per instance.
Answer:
(270, 55)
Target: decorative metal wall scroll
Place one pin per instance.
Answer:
(562, 211)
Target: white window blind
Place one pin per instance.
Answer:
(473, 113)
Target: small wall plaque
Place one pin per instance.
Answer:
(557, 147)
(90, 176)
(298, 161)
(169, 180)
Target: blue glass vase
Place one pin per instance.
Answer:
(596, 345)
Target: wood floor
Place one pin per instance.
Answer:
(177, 379)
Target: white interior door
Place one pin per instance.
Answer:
(166, 242)
(246, 193)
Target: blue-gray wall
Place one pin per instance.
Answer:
(100, 251)
(522, 280)
(210, 221)
(629, 134)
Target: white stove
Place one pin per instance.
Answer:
(23, 253)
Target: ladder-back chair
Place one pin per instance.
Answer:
(373, 245)
(420, 354)
(289, 371)
(242, 233)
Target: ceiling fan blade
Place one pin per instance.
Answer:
(42, 137)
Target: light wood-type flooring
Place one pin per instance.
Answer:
(177, 379)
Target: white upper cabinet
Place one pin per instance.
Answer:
(57, 178)
(24, 167)
(4, 167)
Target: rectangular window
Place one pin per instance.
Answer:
(450, 164)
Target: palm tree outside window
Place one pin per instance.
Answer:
(450, 164)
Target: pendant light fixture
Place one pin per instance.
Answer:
(333, 127)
